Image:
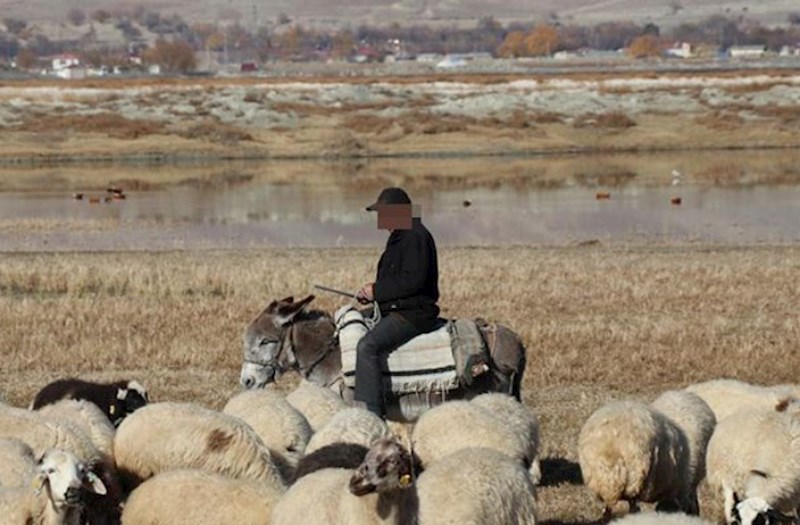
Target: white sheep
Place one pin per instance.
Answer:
(282, 428)
(42, 433)
(476, 486)
(726, 396)
(352, 425)
(630, 451)
(191, 497)
(16, 462)
(696, 420)
(92, 421)
(756, 454)
(514, 414)
(168, 436)
(455, 425)
(316, 403)
(660, 518)
(53, 495)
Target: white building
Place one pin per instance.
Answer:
(65, 61)
(679, 50)
(746, 51)
(74, 72)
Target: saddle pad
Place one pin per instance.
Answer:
(423, 364)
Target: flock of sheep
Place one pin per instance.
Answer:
(101, 454)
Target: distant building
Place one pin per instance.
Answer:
(65, 61)
(679, 50)
(790, 51)
(746, 51)
(451, 61)
(73, 72)
(248, 67)
(429, 57)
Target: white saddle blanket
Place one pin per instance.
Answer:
(423, 364)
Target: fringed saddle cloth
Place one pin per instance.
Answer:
(441, 360)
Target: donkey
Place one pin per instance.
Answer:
(287, 336)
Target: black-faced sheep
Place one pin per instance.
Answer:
(117, 400)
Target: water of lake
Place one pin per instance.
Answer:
(523, 209)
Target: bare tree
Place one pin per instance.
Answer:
(76, 16)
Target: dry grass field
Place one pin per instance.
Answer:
(599, 323)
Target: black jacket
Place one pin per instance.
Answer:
(408, 277)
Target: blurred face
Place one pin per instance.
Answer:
(394, 216)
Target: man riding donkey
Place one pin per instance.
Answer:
(406, 290)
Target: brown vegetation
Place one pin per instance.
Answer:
(112, 124)
(599, 323)
(610, 120)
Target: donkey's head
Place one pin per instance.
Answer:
(266, 345)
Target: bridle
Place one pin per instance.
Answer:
(286, 344)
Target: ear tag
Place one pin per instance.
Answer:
(405, 481)
(37, 483)
(112, 409)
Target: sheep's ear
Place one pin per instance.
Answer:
(122, 393)
(285, 313)
(93, 483)
(138, 388)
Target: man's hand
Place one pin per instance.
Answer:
(365, 295)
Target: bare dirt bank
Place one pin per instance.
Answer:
(425, 116)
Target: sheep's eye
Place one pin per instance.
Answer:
(50, 470)
(265, 342)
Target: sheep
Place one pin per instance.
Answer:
(476, 486)
(523, 422)
(630, 451)
(757, 511)
(117, 400)
(696, 420)
(352, 425)
(726, 396)
(756, 454)
(316, 403)
(53, 495)
(16, 462)
(336, 496)
(42, 433)
(88, 417)
(282, 428)
(189, 497)
(660, 518)
(335, 455)
(168, 436)
(459, 424)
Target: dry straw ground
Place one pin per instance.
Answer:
(599, 323)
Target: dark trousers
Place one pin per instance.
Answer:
(371, 354)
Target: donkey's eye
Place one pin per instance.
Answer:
(265, 342)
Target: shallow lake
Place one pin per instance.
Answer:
(725, 198)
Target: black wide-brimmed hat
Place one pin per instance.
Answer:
(390, 196)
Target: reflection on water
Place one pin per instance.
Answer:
(255, 213)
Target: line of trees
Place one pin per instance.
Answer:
(288, 40)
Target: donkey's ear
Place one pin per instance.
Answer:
(289, 299)
(286, 312)
(270, 309)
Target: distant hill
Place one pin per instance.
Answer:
(665, 13)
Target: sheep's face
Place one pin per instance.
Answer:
(128, 399)
(756, 511)
(262, 341)
(386, 467)
(64, 476)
